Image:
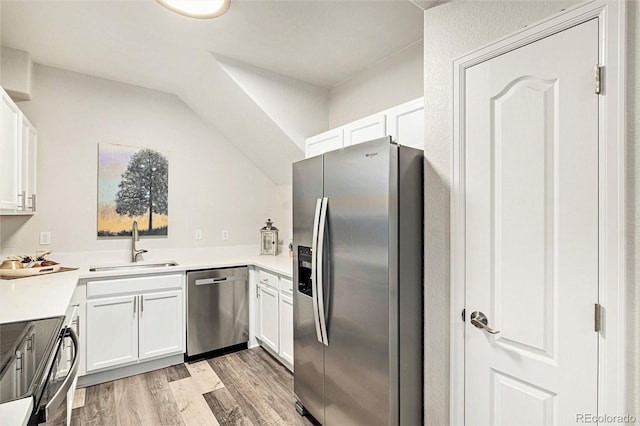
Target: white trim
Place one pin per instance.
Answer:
(611, 360)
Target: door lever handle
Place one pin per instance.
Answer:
(480, 321)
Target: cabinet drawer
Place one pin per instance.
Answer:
(286, 286)
(268, 279)
(134, 285)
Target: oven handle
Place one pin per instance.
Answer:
(68, 381)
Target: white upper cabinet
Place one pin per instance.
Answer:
(324, 142)
(10, 145)
(404, 123)
(29, 166)
(18, 160)
(366, 129)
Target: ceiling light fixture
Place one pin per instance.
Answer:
(202, 9)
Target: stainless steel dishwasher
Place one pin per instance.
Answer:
(217, 309)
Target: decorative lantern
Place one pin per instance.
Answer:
(269, 239)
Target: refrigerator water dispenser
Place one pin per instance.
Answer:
(304, 271)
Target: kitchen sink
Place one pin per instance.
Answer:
(132, 266)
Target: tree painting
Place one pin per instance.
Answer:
(132, 185)
(144, 186)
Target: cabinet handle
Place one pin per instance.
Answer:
(141, 304)
(76, 321)
(22, 205)
(33, 202)
(19, 358)
(135, 300)
(30, 343)
(257, 291)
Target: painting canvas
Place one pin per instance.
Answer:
(133, 184)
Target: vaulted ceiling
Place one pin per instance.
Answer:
(312, 45)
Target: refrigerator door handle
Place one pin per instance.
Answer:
(320, 283)
(314, 267)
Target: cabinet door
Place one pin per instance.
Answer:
(112, 331)
(9, 152)
(68, 351)
(286, 327)
(29, 162)
(406, 123)
(161, 330)
(366, 129)
(324, 142)
(269, 316)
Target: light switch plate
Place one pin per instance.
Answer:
(198, 234)
(225, 234)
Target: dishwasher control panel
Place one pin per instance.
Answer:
(304, 271)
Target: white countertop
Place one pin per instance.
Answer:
(16, 413)
(49, 295)
(36, 297)
(279, 264)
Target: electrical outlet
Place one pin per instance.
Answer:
(198, 234)
(45, 238)
(225, 234)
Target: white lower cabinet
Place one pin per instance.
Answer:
(286, 327)
(268, 316)
(112, 331)
(275, 316)
(160, 324)
(146, 323)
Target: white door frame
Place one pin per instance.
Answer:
(611, 356)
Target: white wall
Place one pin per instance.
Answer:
(633, 207)
(452, 30)
(212, 186)
(389, 82)
(298, 108)
(285, 207)
(17, 73)
(0, 80)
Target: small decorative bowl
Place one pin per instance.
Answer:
(11, 264)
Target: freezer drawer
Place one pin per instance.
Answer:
(217, 309)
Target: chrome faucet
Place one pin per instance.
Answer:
(135, 237)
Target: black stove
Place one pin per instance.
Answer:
(26, 350)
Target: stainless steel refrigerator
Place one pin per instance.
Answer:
(358, 240)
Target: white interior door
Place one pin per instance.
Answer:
(531, 218)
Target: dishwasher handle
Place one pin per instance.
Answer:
(218, 280)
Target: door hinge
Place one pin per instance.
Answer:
(598, 317)
(598, 79)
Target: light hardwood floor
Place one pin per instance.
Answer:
(248, 387)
